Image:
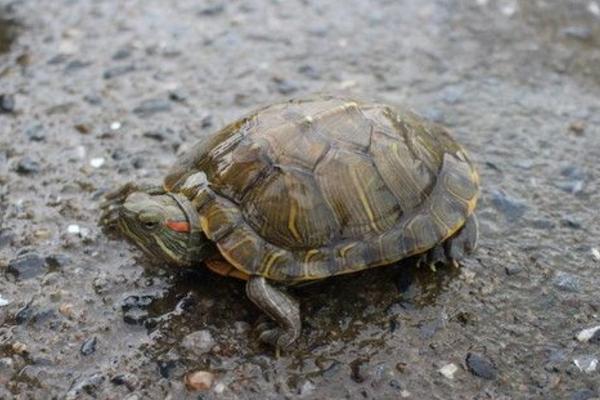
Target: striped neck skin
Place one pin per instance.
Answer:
(161, 225)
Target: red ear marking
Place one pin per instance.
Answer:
(178, 226)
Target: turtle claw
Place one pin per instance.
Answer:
(265, 326)
(270, 333)
(276, 337)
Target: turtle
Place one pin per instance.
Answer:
(305, 189)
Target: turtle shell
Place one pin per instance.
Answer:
(321, 186)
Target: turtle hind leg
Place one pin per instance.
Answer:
(453, 249)
(280, 307)
(464, 242)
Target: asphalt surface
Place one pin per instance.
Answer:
(98, 93)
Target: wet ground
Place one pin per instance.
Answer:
(97, 93)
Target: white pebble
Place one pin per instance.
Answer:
(97, 162)
(586, 334)
(3, 301)
(594, 8)
(67, 47)
(73, 229)
(81, 152)
(482, 2)
(219, 388)
(509, 9)
(586, 364)
(347, 84)
(596, 254)
(115, 126)
(448, 370)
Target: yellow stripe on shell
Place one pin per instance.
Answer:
(346, 249)
(363, 199)
(292, 221)
(271, 259)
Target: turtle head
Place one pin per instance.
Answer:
(164, 228)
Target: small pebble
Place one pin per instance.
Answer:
(177, 95)
(6, 237)
(85, 387)
(480, 366)
(575, 179)
(66, 309)
(448, 370)
(212, 9)
(512, 269)
(206, 122)
(577, 127)
(452, 94)
(76, 65)
(6, 364)
(19, 348)
(92, 99)
(24, 314)
(42, 233)
(73, 229)
(595, 254)
(584, 394)
(27, 165)
(118, 71)
(566, 282)
(57, 260)
(83, 128)
(27, 266)
(3, 301)
(511, 207)
(97, 162)
(589, 335)
(81, 152)
(116, 125)
(152, 106)
(199, 380)
(587, 364)
(7, 103)
(135, 316)
(309, 71)
(36, 133)
(579, 33)
(571, 222)
(360, 370)
(594, 8)
(199, 342)
(509, 9)
(285, 86)
(219, 388)
(167, 367)
(160, 134)
(122, 54)
(88, 347)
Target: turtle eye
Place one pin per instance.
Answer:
(149, 221)
(150, 224)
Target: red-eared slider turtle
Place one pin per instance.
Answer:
(303, 190)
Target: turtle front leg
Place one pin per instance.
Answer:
(281, 307)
